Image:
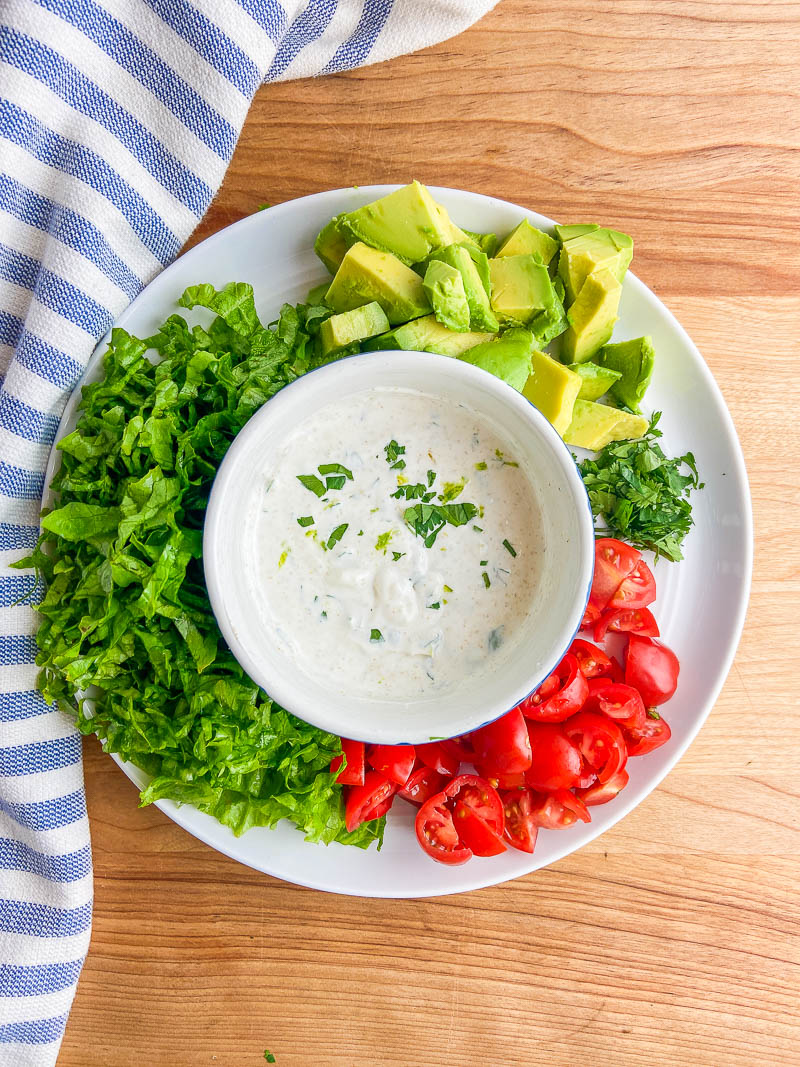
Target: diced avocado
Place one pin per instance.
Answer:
(561, 292)
(527, 239)
(507, 357)
(342, 330)
(427, 335)
(633, 362)
(595, 380)
(473, 267)
(331, 246)
(589, 252)
(566, 233)
(521, 287)
(595, 425)
(591, 317)
(553, 389)
(408, 223)
(487, 242)
(365, 274)
(444, 288)
(317, 294)
(551, 322)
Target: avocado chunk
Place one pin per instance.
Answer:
(526, 239)
(408, 223)
(487, 242)
(553, 389)
(596, 425)
(331, 246)
(550, 322)
(507, 357)
(317, 294)
(344, 329)
(595, 380)
(365, 274)
(591, 317)
(427, 335)
(521, 287)
(633, 362)
(599, 249)
(473, 266)
(444, 288)
(566, 233)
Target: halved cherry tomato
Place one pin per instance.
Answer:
(368, 801)
(637, 590)
(590, 616)
(592, 661)
(654, 733)
(394, 762)
(652, 668)
(600, 742)
(558, 810)
(441, 759)
(459, 748)
(506, 781)
(502, 746)
(613, 562)
(618, 701)
(521, 829)
(626, 620)
(422, 783)
(555, 762)
(353, 774)
(475, 832)
(477, 794)
(602, 792)
(556, 702)
(437, 834)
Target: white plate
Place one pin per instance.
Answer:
(701, 601)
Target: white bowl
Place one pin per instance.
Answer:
(566, 534)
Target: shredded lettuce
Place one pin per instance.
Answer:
(126, 610)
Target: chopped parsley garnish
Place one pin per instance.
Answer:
(397, 555)
(652, 714)
(506, 462)
(447, 589)
(434, 607)
(337, 534)
(375, 635)
(483, 562)
(324, 615)
(417, 491)
(305, 520)
(383, 540)
(486, 579)
(283, 557)
(452, 490)
(431, 478)
(478, 529)
(335, 481)
(509, 547)
(427, 520)
(641, 494)
(312, 482)
(481, 466)
(267, 1054)
(335, 468)
(393, 452)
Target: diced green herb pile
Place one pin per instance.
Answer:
(126, 611)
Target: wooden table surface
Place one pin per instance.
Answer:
(673, 939)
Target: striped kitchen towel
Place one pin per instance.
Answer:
(117, 121)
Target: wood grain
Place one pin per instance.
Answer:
(674, 938)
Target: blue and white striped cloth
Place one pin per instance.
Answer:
(117, 122)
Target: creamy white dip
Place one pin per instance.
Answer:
(373, 611)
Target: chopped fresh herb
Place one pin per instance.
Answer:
(283, 557)
(431, 478)
(402, 479)
(312, 482)
(360, 533)
(263, 207)
(434, 607)
(393, 452)
(305, 520)
(397, 555)
(509, 547)
(495, 638)
(267, 1054)
(373, 510)
(478, 529)
(324, 615)
(335, 468)
(447, 589)
(506, 462)
(481, 466)
(452, 490)
(652, 714)
(383, 540)
(483, 562)
(640, 494)
(417, 491)
(486, 580)
(337, 534)
(427, 520)
(335, 481)
(375, 635)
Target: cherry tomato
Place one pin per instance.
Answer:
(521, 830)
(555, 704)
(459, 748)
(506, 781)
(475, 832)
(422, 783)
(558, 810)
(600, 742)
(394, 762)
(626, 620)
(437, 834)
(592, 661)
(477, 794)
(613, 562)
(653, 733)
(590, 616)
(438, 758)
(618, 701)
(353, 774)
(502, 746)
(637, 590)
(368, 801)
(555, 762)
(652, 668)
(602, 792)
